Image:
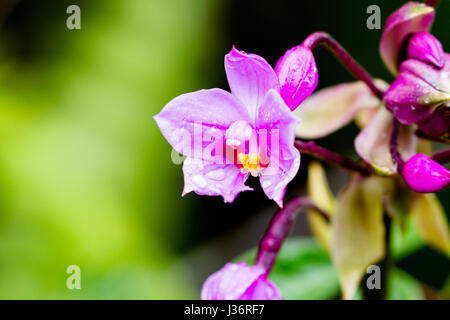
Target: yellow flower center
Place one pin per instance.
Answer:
(250, 164)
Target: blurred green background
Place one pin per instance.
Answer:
(85, 175)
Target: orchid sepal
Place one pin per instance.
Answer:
(412, 17)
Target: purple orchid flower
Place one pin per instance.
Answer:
(228, 136)
(239, 281)
(424, 175)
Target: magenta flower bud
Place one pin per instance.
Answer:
(424, 175)
(239, 281)
(418, 90)
(297, 72)
(425, 47)
(412, 17)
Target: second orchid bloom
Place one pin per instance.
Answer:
(228, 136)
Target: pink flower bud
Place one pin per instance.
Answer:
(423, 46)
(297, 72)
(424, 175)
(239, 281)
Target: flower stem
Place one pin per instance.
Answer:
(442, 157)
(393, 146)
(279, 228)
(432, 3)
(346, 163)
(323, 38)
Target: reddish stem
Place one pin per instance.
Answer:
(323, 38)
(442, 157)
(329, 156)
(278, 230)
(393, 146)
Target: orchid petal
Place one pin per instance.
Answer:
(372, 143)
(424, 175)
(186, 119)
(332, 108)
(211, 179)
(297, 72)
(238, 133)
(410, 18)
(284, 163)
(250, 77)
(423, 46)
(239, 281)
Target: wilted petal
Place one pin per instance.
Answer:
(410, 18)
(423, 46)
(431, 222)
(250, 77)
(364, 117)
(280, 123)
(185, 119)
(297, 72)
(417, 90)
(320, 194)
(213, 179)
(372, 143)
(424, 175)
(358, 231)
(332, 108)
(239, 281)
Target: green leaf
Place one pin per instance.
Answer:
(404, 238)
(401, 286)
(303, 270)
(358, 231)
(332, 108)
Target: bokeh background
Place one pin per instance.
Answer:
(86, 178)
